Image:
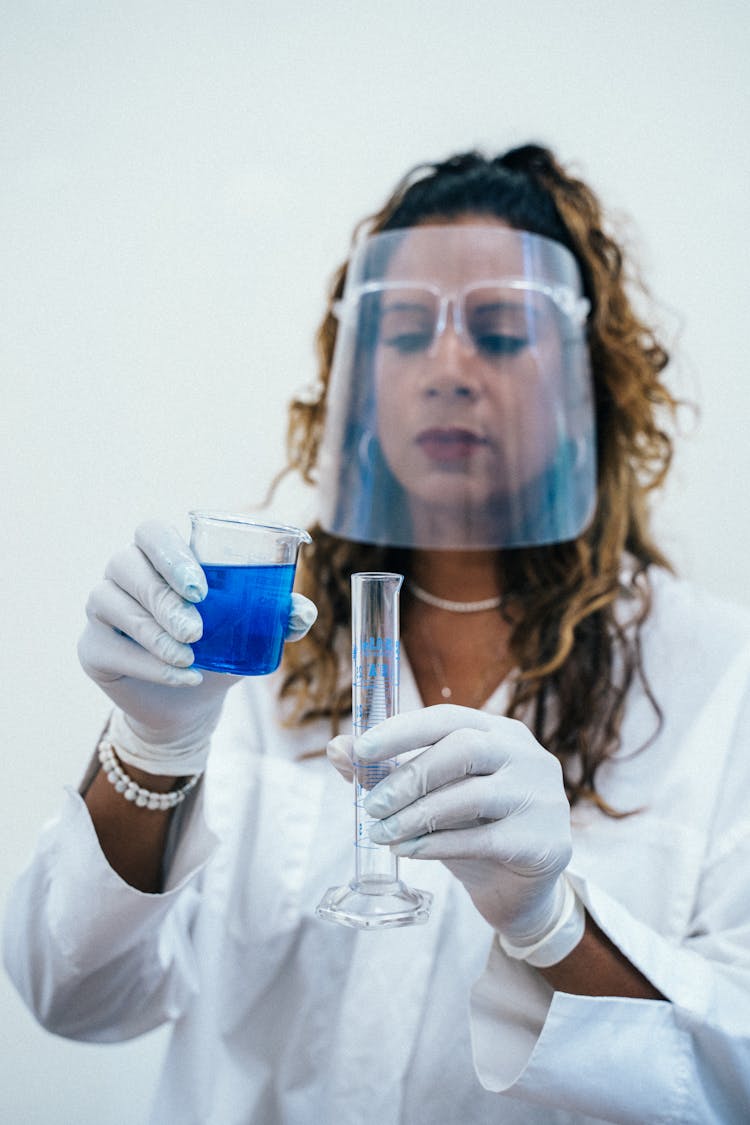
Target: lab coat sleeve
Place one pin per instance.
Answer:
(685, 1059)
(93, 958)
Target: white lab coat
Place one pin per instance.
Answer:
(282, 1018)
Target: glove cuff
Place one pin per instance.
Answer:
(558, 942)
(170, 759)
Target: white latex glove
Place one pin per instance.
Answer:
(486, 799)
(136, 647)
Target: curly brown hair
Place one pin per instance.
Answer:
(577, 654)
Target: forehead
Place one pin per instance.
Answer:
(456, 253)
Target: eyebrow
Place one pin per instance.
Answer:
(397, 306)
(502, 306)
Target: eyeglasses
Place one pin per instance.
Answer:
(497, 319)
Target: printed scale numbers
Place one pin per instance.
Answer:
(375, 670)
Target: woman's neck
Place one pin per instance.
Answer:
(459, 575)
(456, 656)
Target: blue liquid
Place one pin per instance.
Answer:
(245, 616)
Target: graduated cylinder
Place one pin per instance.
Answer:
(375, 897)
(375, 680)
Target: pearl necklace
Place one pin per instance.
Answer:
(455, 607)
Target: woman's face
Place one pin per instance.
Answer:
(466, 370)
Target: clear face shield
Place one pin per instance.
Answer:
(460, 406)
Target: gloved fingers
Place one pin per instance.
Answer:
(502, 843)
(302, 616)
(458, 844)
(414, 729)
(133, 572)
(171, 557)
(339, 753)
(475, 800)
(462, 753)
(111, 605)
(107, 656)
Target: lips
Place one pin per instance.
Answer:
(449, 444)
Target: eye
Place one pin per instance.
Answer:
(407, 343)
(407, 327)
(500, 326)
(498, 344)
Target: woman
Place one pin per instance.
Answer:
(579, 713)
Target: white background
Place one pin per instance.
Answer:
(177, 183)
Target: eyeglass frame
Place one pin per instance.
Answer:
(572, 306)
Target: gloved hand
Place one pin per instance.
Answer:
(486, 799)
(136, 647)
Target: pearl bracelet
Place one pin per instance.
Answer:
(132, 791)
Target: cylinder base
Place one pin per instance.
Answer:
(372, 904)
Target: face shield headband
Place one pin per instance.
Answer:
(460, 407)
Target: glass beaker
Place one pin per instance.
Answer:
(249, 567)
(375, 897)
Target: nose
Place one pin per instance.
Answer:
(452, 367)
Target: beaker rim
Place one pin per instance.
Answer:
(381, 575)
(246, 520)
